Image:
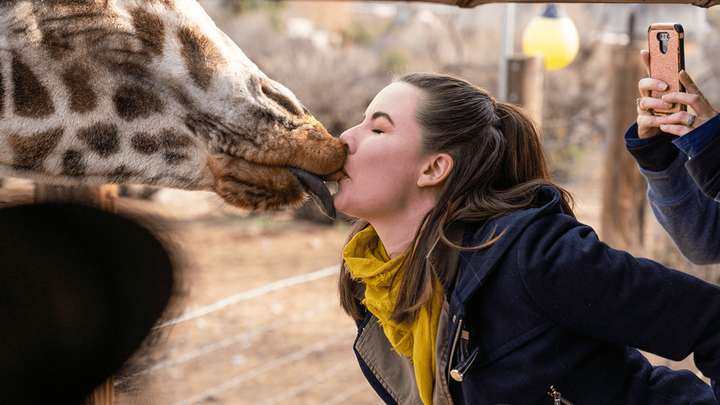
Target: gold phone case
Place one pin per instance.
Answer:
(666, 65)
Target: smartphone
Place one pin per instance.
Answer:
(667, 59)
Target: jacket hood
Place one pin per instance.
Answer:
(477, 265)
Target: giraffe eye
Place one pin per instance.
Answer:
(281, 100)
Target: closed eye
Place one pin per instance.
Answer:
(378, 131)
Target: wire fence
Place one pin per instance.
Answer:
(251, 294)
(245, 340)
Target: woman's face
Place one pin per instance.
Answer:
(384, 159)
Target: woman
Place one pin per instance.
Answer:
(679, 156)
(533, 308)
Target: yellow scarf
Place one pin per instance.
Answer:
(367, 261)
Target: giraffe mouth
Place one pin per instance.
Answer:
(315, 186)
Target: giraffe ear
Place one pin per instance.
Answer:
(80, 290)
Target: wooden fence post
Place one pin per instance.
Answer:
(102, 197)
(623, 205)
(526, 78)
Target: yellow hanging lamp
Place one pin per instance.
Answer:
(552, 36)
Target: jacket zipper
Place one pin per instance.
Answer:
(557, 397)
(452, 349)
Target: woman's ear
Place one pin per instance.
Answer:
(435, 170)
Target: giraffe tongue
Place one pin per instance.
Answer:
(315, 186)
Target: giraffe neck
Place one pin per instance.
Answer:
(75, 119)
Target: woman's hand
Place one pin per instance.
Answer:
(679, 123)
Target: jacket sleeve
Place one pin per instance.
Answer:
(583, 285)
(705, 169)
(690, 217)
(702, 147)
(688, 214)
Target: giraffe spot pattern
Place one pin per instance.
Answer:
(58, 36)
(201, 56)
(132, 102)
(72, 164)
(174, 158)
(30, 152)
(82, 97)
(101, 138)
(31, 97)
(56, 44)
(150, 29)
(144, 143)
(169, 139)
(120, 174)
(130, 68)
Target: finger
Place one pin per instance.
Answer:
(689, 83)
(706, 109)
(678, 130)
(649, 121)
(645, 56)
(678, 118)
(652, 103)
(647, 84)
(693, 100)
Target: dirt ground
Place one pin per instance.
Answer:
(278, 343)
(271, 330)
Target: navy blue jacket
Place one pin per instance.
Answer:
(683, 176)
(551, 305)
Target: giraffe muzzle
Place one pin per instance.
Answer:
(315, 186)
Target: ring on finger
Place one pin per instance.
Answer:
(691, 120)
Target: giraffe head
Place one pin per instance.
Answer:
(152, 92)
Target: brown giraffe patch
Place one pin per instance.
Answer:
(170, 140)
(56, 44)
(101, 138)
(132, 69)
(72, 164)
(201, 56)
(144, 143)
(132, 102)
(29, 152)
(150, 29)
(173, 158)
(82, 97)
(31, 97)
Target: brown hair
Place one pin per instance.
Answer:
(499, 166)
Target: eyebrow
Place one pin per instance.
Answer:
(385, 115)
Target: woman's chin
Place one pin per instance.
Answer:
(340, 203)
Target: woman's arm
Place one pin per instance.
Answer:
(703, 150)
(685, 208)
(587, 287)
(689, 216)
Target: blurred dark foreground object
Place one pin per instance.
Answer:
(80, 289)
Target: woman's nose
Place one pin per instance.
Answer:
(346, 140)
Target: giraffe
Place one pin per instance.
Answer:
(152, 92)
